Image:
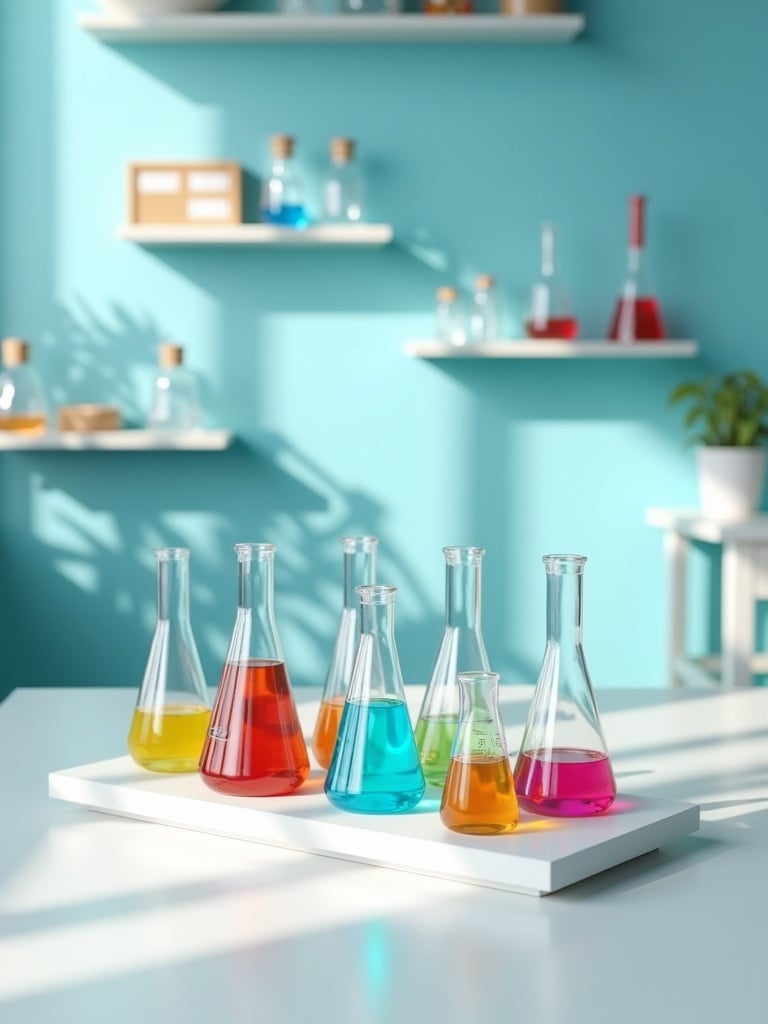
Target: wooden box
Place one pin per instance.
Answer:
(184, 193)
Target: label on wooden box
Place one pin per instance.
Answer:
(184, 193)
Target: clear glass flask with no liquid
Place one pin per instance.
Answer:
(563, 768)
(637, 315)
(282, 197)
(479, 796)
(171, 719)
(484, 319)
(255, 746)
(375, 766)
(462, 649)
(343, 189)
(359, 570)
(23, 405)
(175, 399)
(550, 314)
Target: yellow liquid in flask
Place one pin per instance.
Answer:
(169, 738)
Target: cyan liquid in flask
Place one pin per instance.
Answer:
(479, 795)
(375, 767)
(563, 768)
(170, 723)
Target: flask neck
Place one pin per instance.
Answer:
(173, 589)
(378, 620)
(462, 595)
(547, 250)
(255, 586)
(359, 570)
(564, 609)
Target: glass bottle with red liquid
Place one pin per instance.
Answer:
(359, 570)
(637, 316)
(255, 746)
(563, 768)
(550, 315)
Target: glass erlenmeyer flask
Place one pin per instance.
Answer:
(462, 649)
(171, 717)
(563, 768)
(375, 767)
(255, 746)
(479, 796)
(359, 570)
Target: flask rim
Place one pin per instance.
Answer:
(457, 555)
(365, 544)
(469, 678)
(563, 565)
(251, 552)
(171, 554)
(376, 593)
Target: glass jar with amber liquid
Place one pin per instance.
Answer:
(23, 405)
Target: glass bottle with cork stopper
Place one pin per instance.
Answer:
(343, 191)
(23, 405)
(485, 317)
(449, 318)
(282, 197)
(175, 398)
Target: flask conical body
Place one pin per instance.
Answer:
(563, 768)
(359, 570)
(479, 795)
(462, 649)
(375, 767)
(255, 746)
(170, 721)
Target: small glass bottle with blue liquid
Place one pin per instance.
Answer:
(283, 200)
(375, 767)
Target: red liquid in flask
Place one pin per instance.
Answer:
(644, 314)
(255, 746)
(557, 327)
(565, 782)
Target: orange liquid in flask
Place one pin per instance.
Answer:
(255, 745)
(327, 729)
(479, 796)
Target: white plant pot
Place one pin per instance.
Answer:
(730, 481)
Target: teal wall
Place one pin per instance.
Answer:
(467, 149)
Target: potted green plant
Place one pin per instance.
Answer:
(728, 419)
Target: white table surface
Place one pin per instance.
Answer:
(113, 920)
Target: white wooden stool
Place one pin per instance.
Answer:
(744, 583)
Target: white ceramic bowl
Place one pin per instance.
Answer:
(160, 6)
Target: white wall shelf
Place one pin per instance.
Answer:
(120, 440)
(237, 27)
(527, 349)
(258, 234)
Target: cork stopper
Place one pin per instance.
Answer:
(281, 146)
(342, 150)
(484, 282)
(15, 351)
(447, 294)
(169, 354)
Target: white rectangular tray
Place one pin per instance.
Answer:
(541, 856)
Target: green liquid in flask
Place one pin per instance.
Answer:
(434, 739)
(375, 768)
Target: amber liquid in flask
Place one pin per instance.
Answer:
(23, 405)
(375, 766)
(479, 795)
(563, 768)
(170, 722)
(462, 649)
(255, 746)
(359, 570)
